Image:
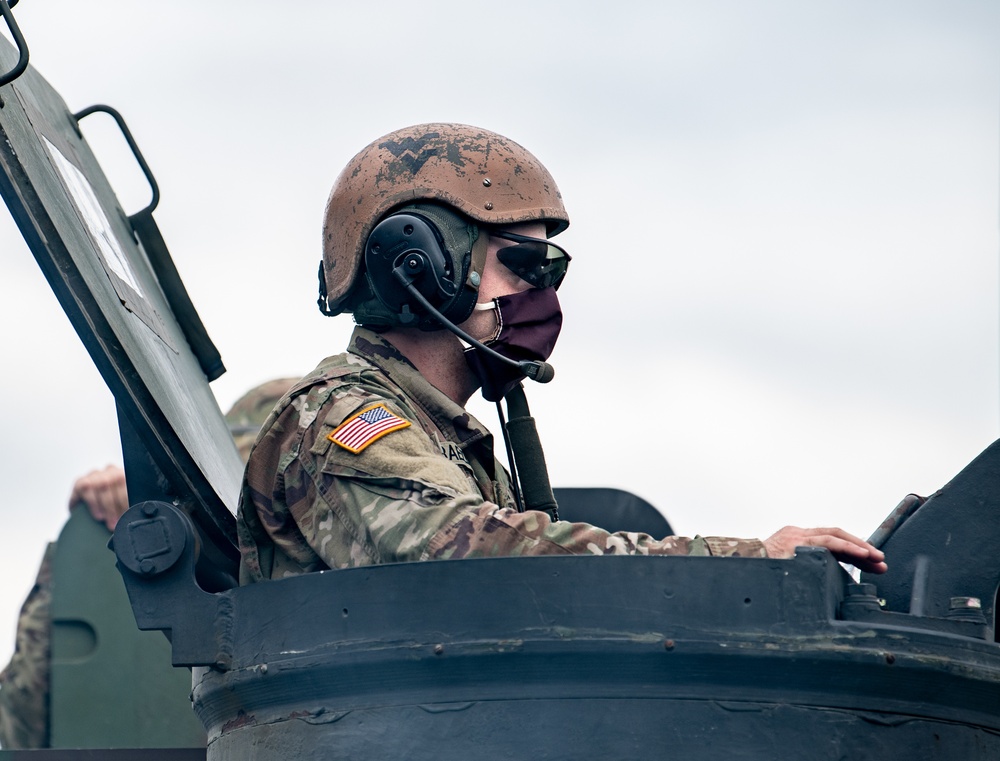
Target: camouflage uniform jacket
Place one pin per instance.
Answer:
(431, 489)
(24, 683)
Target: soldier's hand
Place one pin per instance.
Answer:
(104, 494)
(847, 548)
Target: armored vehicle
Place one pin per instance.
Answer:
(551, 657)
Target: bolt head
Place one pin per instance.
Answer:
(966, 603)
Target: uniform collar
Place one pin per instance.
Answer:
(454, 421)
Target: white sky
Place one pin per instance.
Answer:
(783, 304)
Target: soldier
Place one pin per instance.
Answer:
(249, 412)
(435, 235)
(24, 683)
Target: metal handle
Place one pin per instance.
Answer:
(22, 48)
(131, 144)
(148, 234)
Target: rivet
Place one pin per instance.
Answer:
(438, 649)
(263, 668)
(474, 279)
(146, 567)
(668, 644)
(486, 182)
(489, 206)
(890, 658)
(150, 510)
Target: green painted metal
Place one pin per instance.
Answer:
(112, 685)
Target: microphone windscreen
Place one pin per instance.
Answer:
(545, 372)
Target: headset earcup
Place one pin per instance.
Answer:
(388, 244)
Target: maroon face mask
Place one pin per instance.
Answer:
(529, 324)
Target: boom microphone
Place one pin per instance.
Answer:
(411, 264)
(540, 372)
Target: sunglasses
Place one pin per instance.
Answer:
(539, 262)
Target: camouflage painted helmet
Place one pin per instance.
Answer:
(483, 175)
(250, 411)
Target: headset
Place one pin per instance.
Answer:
(427, 249)
(413, 272)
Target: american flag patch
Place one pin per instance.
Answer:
(369, 425)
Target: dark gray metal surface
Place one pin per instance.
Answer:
(580, 657)
(949, 547)
(611, 509)
(88, 251)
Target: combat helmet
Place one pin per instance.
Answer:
(466, 172)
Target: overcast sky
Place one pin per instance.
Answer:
(784, 230)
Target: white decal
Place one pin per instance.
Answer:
(89, 209)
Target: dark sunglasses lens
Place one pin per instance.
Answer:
(531, 262)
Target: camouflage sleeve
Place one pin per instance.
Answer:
(400, 500)
(491, 531)
(438, 513)
(24, 683)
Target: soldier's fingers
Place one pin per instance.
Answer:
(103, 492)
(839, 533)
(838, 540)
(855, 551)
